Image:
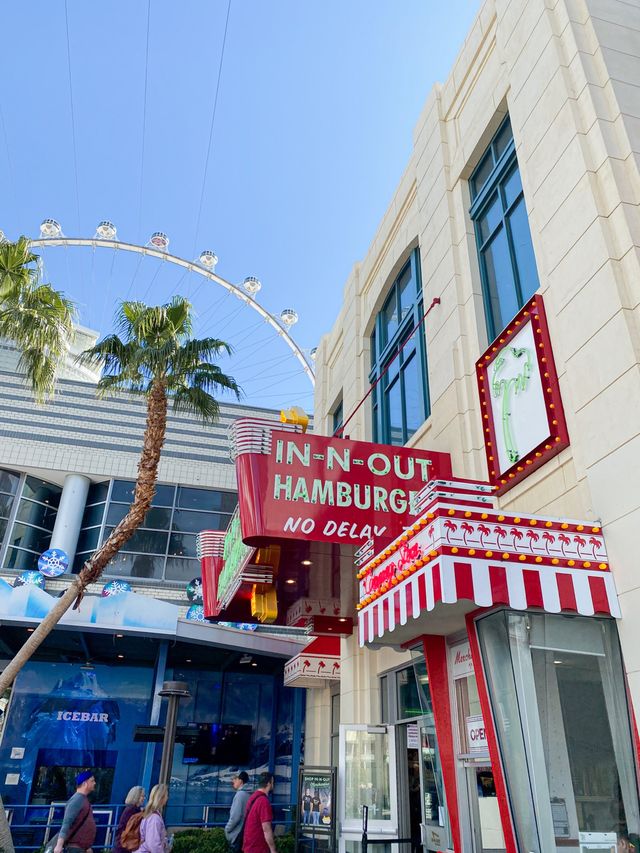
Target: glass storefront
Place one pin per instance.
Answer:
(164, 547)
(557, 689)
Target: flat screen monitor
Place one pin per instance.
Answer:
(218, 743)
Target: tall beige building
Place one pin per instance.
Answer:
(523, 182)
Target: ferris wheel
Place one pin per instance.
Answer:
(273, 369)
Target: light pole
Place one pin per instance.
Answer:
(174, 691)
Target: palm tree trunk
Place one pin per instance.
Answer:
(154, 435)
(6, 841)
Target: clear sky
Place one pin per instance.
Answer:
(313, 128)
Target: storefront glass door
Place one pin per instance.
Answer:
(484, 827)
(366, 777)
(436, 832)
(559, 702)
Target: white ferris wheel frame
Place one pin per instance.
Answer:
(192, 266)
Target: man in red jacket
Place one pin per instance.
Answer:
(258, 832)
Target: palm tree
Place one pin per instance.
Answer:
(154, 355)
(35, 316)
(39, 320)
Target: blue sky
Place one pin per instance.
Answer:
(317, 103)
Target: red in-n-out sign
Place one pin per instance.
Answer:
(327, 489)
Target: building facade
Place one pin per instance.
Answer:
(493, 708)
(66, 475)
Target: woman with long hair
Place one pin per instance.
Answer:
(153, 835)
(133, 803)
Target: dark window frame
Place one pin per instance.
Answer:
(505, 162)
(388, 365)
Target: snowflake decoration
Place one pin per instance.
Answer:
(53, 563)
(115, 588)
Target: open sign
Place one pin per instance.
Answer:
(476, 734)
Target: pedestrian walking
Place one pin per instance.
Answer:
(133, 805)
(78, 830)
(233, 829)
(153, 835)
(258, 831)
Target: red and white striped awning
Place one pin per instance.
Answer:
(463, 553)
(483, 583)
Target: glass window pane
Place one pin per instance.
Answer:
(39, 490)
(158, 517)
(512, 186)
(6, 504)
(406, 291)
(367, 775)
(503, 298)
(560, 683)
(194, 522)
(3, 529)
(182, 545)
(116, 513)
(97, 492)
(503, 138)
(482, 172)
(394, 413)
(122, 490)
(413, 394)
(35, 513)
(491, 218)
(205, 499)
(80, 560)
(390, 317)
(178, 569)
(9, 482)
(144, 541)
(22, 561)
(30, 537)
(93, 515)
(523, 250)
(88, 539)
(407, 692)
(135, 566)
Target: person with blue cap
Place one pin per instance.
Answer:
(78, 830)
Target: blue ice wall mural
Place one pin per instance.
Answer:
(121, 610)
(69, 716)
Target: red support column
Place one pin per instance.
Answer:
(492, 740)
(435, 653)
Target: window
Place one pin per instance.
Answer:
(35, 515)
(557, 687)
(164, 547)
(401, 393)
(337, 417)
(507, 263)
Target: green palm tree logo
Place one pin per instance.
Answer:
(506, 388)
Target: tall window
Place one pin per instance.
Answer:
(337, 416)
(30, 533)
(499, 213)
(401, 395)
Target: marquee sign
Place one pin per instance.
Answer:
(326, 489)
(522, 413)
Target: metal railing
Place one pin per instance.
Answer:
(415, 845)
(32, 826)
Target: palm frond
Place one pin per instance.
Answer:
(40, 372)
(196, 402)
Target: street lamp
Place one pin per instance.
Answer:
(174, 691)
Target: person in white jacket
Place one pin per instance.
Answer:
(233, 829)
(153, 835)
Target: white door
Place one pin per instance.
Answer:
(367, 777)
